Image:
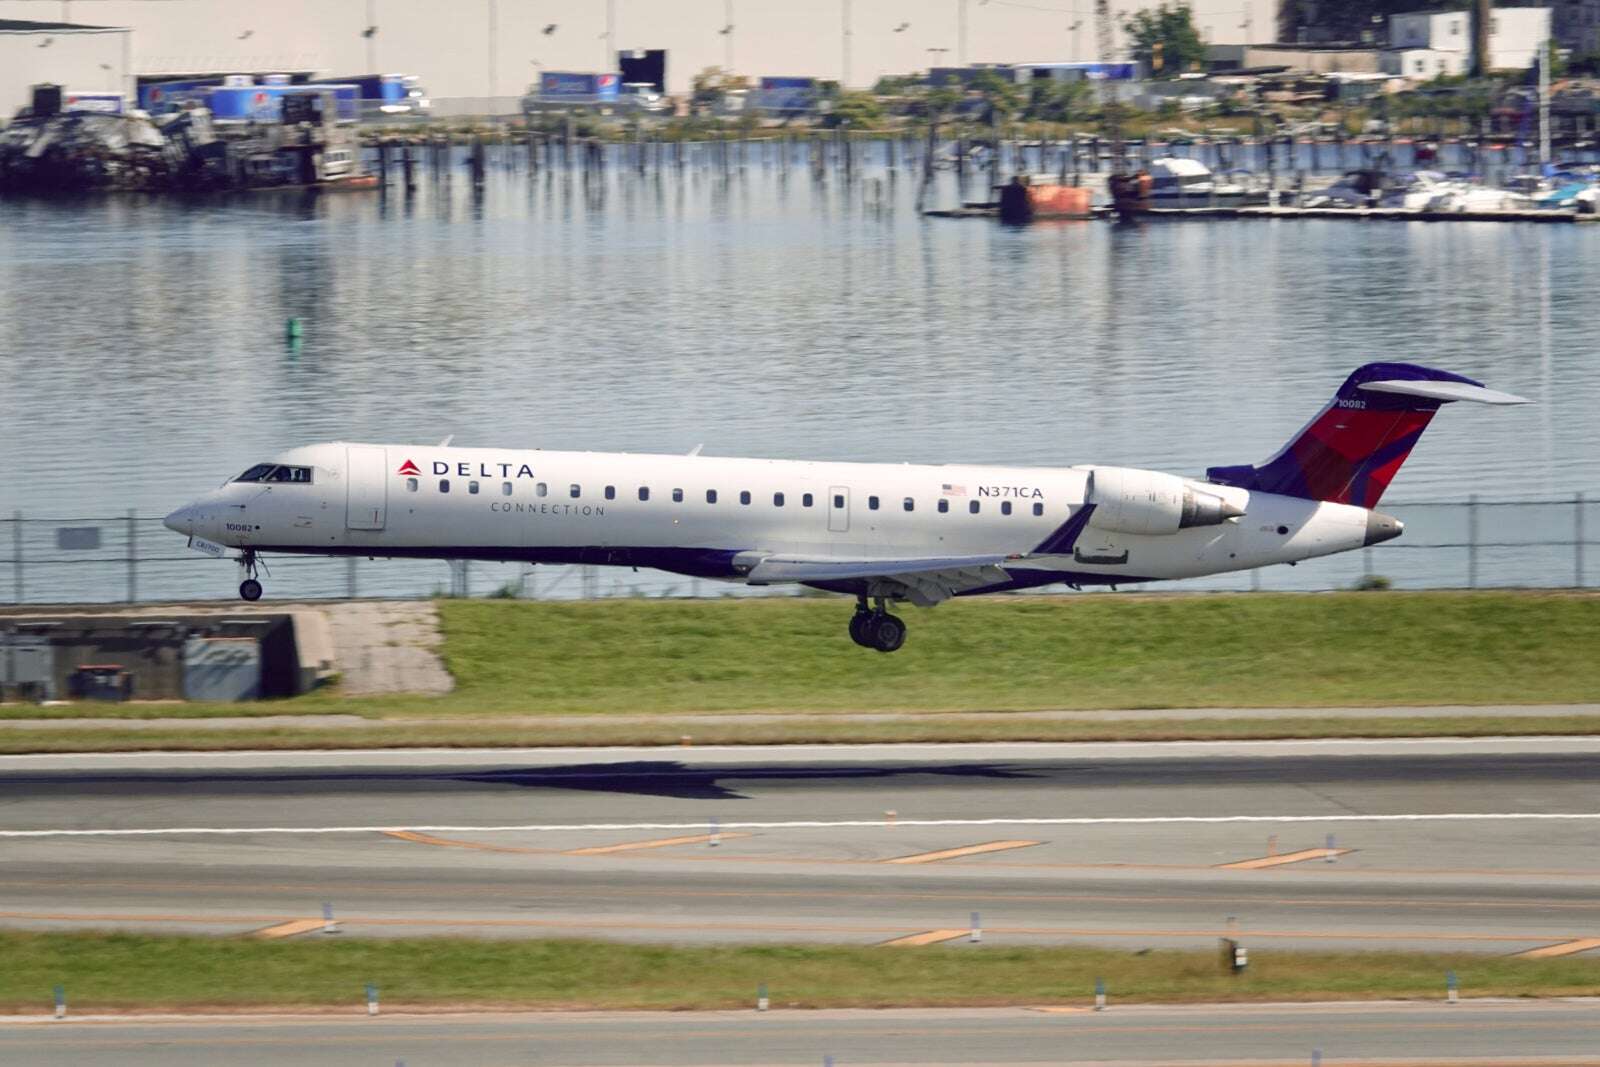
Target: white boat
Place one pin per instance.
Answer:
(1180, 182)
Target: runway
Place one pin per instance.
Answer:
(1541, 1034)
(1482, 845)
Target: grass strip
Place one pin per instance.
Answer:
(111, 971)
(798, 730)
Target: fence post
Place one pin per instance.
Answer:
(16, 554)
(1577, 540)
(133, 556)
(1472, 541)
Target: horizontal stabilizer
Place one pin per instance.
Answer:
(1445, 391)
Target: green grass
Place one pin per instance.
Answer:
(1006, 654)
(125, 971)
(518, 662)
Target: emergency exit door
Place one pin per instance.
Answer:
(366, 487)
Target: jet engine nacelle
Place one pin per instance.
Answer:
(1148, 502)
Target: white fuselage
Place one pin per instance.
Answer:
(654, 510)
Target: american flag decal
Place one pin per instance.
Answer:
(954, 490)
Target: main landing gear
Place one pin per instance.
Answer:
(876, 628)
(249, 589)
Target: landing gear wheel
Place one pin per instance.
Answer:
(250, 589)
(860, 627)
(888, 633)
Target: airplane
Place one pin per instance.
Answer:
(883, 533)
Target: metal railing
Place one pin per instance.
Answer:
(1540, 543)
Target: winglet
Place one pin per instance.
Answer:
(695, 451)
(446, 442)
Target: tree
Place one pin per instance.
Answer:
(1001, 93)
(709, 87)
(860, 110)
(1050, 100)
(1165, 39)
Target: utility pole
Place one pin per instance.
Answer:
(961, 33)
(844, 40)
(1482, 15)
(494, 40)
(1544, 104)
(611, 35)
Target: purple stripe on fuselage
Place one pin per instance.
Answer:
(1060, 543)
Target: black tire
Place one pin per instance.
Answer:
(860, 629)
(888, 633)
(250, 589)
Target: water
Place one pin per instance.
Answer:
(142, 344)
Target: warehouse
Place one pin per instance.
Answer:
(78, 58)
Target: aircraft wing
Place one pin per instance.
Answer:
(925, 581)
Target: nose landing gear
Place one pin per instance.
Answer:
(249, 589)
(876, 628)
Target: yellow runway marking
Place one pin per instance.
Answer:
(288, 929)
(969, 850)
(1565, 948)
(634, 846)
(447, 842)
(1279, 860)
(932, 937)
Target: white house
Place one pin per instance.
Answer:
(1426, 44)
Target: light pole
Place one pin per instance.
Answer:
(1077, 25)
(727, 34)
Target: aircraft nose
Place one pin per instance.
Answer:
(1381, 527)
(181, 521)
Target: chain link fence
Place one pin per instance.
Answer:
(131, 558)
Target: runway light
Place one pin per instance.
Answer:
(1451, 987)
(1330, 855)
(715, 837)
(889, 816)
(372, 999)
(328, 925)
(1099, 994)
(761, 997)
(61, 1002)
(977, 930)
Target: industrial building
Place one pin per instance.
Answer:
(90, 59)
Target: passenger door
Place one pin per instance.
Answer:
(366, 487)
(839, 509)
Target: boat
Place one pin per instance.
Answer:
(1176, 181)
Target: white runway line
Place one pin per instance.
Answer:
(875, 824)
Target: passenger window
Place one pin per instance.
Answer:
(711, 496)
(444, 485)
(411, 485)
(805, 500)
(911, 505)
(838, 500)
(777, 500)
(644, 492)
(611, 492)
(972, 506)
(575, 491)
(677, 496)
(744, 496)
(505, 488)
(872, 503)
(944, 506)
(472, 487)
(541, 490)
(1005, 507)
(1038, 509)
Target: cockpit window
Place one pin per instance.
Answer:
(276, 472)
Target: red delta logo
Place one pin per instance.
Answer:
(409, 467)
